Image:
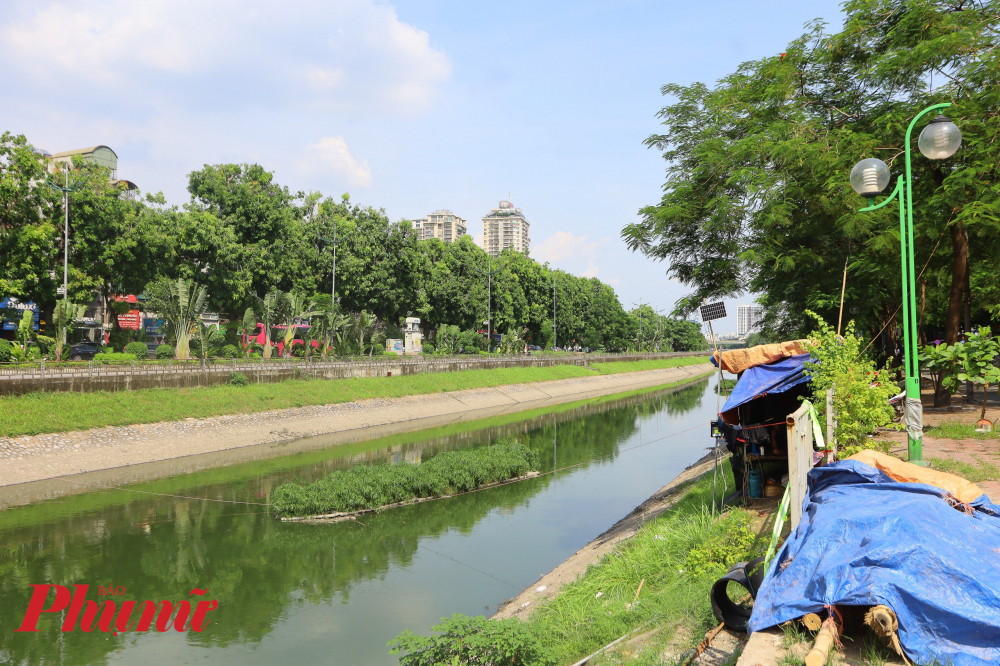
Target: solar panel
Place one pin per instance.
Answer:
(711, 311)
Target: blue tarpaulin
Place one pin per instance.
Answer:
(775, 377)
(865, 539)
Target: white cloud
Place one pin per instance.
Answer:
(591, 271)
(354, 56)
(564, 245)
(330, 154)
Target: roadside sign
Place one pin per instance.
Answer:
(713, 311)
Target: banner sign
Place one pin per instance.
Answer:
(13, 310)
(131, 319)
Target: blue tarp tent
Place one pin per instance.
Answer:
(775, 377)
(865, 539)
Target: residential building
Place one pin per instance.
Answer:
(100, 155)
(442, 224)
(506, 227)
(748, 318)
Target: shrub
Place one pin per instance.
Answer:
(372, 486)
(108, 357)
(164, 352)
(238, 379)
(6, 351)
(428, 348)
(137, 349)
(256, 354)
(46, 345)
(230, 351)
(861, 390)
(475, 640)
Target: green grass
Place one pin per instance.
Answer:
(366, 487)
(38, 413)
(959, 430)
(981, 471)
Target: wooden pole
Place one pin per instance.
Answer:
(825, 639)
(843, 288)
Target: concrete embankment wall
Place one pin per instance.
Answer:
(57, 378)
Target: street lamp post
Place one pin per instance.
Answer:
(553, 311)
(489, 298)
(65, 189)
(938, 140)
(333, 283)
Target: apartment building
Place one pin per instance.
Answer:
(748, 318)
(506, 227)
(442, 224)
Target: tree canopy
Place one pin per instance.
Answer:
(757, 199)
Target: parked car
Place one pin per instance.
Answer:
(84, 351)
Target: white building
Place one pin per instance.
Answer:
(442, 224)
(506, 227)
(748, 318)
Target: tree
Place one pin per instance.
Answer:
(64, 316)
(976, 362)
(27, 233)
(271, 309)
(756, 196)
(180, 302)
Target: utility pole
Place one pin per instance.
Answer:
(489, 297)
(553, 311)
(66, 189)
(638, 336)
(333, 284)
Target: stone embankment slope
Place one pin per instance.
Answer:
(38, 457)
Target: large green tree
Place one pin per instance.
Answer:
(756, 197)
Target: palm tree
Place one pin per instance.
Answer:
(296, 309)
(363, 323)
(181, 303)
(64, 316)
(323, 326)
(271, 309)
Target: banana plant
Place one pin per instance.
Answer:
(324, 327)
(181, 302)
(248, 332)
(297, 308)
(271, 309)
(64, 316)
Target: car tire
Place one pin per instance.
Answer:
(77, 358)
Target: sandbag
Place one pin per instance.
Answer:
(738, 360)
(904, 472)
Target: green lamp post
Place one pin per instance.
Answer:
(939, 140)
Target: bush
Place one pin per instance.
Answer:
(6, 351)
(861, 390)
(475, 640)
(256, 354)
(238, 379)
(109, 357)
(373, 486)
(46, 345)
(138, 349)
(230, 351)
(164, 352)
(428, 348)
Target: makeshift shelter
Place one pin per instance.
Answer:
(753, 420)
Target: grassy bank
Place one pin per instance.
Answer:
(60, 412)
(954, 429)
(675, 558)
(367, 487)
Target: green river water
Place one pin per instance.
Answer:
(336, 593)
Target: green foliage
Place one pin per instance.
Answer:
(942, 361)
(976, 362)
(861, 390)
(373, 486)
(238, 379)
(977, 473)
(715, 555)
(137, 349)
(109, 357)
(468, 641)
(46, 345)
(6, 351)
(164, 352)
(230, 351)
(447, 340)
(428, 348)
(64, 315)
(756, 197)
(25, 328)
(180, 302)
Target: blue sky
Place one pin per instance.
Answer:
(410, 106)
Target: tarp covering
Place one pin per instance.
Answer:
(738, 360)
(865, 539)
(898, 470)
(775, 377)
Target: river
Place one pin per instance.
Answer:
(336, 593)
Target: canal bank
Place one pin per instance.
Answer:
(337, 593)
(130, 454)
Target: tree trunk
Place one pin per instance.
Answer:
(959, 270)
